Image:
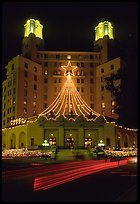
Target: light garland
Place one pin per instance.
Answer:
(69, 102)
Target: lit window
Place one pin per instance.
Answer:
(25, 110)
(35, 95)
(68, 56)
(113, 103)
(112, 111)
(34, 103)
(25, 101)
(78, 72)
(103, 104)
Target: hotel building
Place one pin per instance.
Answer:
(36, 77)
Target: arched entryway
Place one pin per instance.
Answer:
(22, 140)
(13, 141)
(126, 141)
(118, 140)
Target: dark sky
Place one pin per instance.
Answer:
(70, 26)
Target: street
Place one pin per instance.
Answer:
(79, 181)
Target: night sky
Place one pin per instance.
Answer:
(70, 26)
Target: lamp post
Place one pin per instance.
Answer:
(45, 143)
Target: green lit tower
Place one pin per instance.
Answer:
(33, 39)
(103, 38)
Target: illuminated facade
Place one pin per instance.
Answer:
(51, 84)
(33, 26)
(103, 29)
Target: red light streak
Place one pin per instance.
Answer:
(44, 183)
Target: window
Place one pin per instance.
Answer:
(35, 95)
(45, 80)
(91, 65)
(45, 72)
(25, 101)
(25, 73)
(108, 143)
(78, 73)
(32, 141)
(55, 80)
(25, 92)
(112, 103)
(82, 64)
(78, 80)
(45, 97)
(45, 105)
(59, 80)
(102, 88)
(82, 89)
(111, 66)
(12, 67)
(26, 65)
(82, 81)
(91, 73)
(102, 70)
(14, 90)
(112, 111)
(55, 89)
(25, 110)
(46, 55)
(35, 77)
(91, 90)
(91, 57)
(34, 112)
(35, 86)
(91, 80)
(103, 104)
(92, 105)
(78, 89)
(25, 84)
(59, 72)
(57, 56)
(35, 69)
(45, 89)
(91, 98)
(34, 103)
(102, 79)
(102, 97)
(78, 64)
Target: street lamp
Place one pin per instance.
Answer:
(45, 143)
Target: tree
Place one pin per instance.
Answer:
(116, 90)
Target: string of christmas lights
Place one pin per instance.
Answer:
(69, 102)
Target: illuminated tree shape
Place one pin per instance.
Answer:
(69, 102)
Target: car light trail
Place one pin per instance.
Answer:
(48, 169)
(46, 182)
